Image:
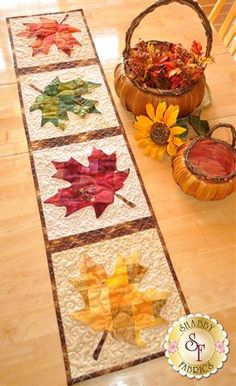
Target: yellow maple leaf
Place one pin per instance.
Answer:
(114, 304)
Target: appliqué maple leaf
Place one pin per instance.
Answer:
(94, 185)
(49, 32)
(60, 97)
(114, 304)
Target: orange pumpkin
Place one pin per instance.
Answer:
(134, 96)
(205, 168)
(135, 99)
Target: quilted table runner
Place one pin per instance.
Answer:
(114, 287)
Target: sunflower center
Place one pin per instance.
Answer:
(160, 133)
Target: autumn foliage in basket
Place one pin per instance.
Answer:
(166, 65)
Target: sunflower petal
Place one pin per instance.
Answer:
(154, 151)
(161, 152)
(171, 149)
(141, 135)
(148, 149)
(150, 111)
(144, 120)
(171, 115)
(143, 124)
(177, 130)
(177, 141)
(137, 125)
(143, 142)
(161, 108)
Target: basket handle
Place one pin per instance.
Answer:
(191, 3)
(231, 127)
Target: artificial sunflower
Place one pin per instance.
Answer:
(157, 133)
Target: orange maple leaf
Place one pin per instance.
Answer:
(114, 304)
(49, 32)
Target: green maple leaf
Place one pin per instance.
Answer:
(201, 126)
(60, 97)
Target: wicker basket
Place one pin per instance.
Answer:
(205, 167)
(134, 96)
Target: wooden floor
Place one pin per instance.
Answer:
(201, 237)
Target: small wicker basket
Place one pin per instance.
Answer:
(205, 167)
(134, 96)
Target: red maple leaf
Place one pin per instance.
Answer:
(49, 32)
(94, 185)
(196, 48)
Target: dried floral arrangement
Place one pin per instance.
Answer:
(166, 66)
(153, 71)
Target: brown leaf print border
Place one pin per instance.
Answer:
(65, 243)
